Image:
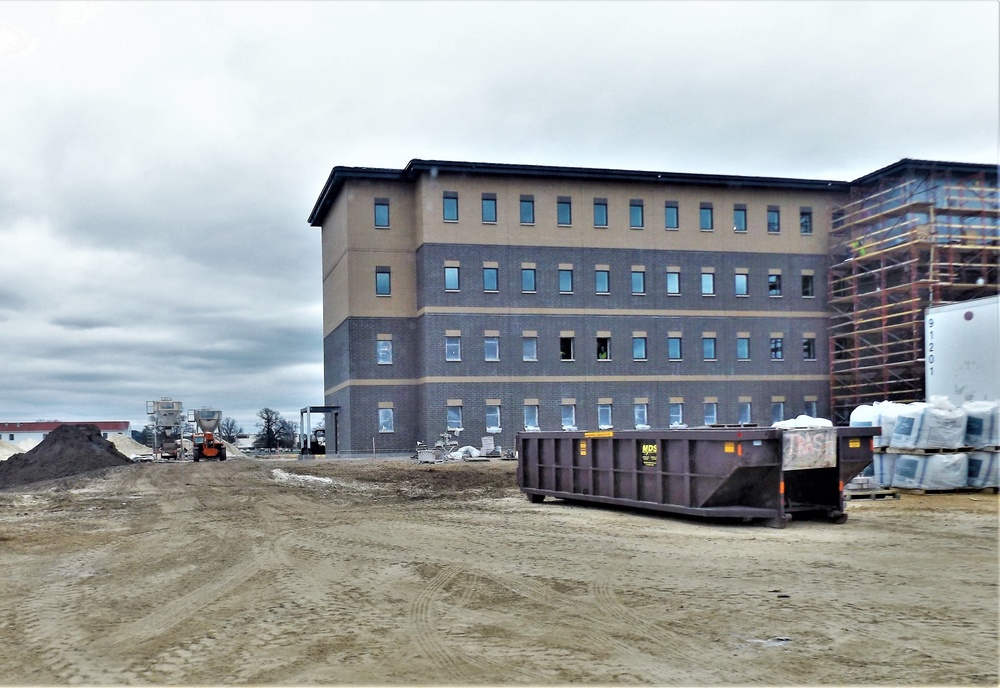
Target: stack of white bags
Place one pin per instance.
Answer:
(936, 425)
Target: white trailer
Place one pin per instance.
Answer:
(962, 350)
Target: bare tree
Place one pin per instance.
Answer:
(267, 438)
(229, 429)
(287, 431)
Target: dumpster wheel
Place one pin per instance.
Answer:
(838, 517)
(536, 498)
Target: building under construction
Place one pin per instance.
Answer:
(914, 234)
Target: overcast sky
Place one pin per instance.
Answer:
(158, 161)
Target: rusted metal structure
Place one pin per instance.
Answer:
(743, 473)
(914, 234)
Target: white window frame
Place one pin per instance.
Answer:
(386, 421)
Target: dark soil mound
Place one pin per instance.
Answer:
(67, 450)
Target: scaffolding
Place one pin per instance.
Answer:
(914, 235)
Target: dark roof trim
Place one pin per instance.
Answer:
(907, 165)
(415, 168)
(335, 182)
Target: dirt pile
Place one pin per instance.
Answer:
(128, 446)
(67, 450)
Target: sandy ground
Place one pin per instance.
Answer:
(394, 573)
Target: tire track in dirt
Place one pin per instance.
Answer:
(62, 645)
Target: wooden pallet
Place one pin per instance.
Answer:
(957, 490)
(871, 494)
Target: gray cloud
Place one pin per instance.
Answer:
(160, 159)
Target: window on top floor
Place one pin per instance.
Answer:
(600, 212)
(671, 215)
(773, 219)
(564, 211)
(805, 221)
(381, 212)
(489, 208)
(740, 218)
(706, 217)
(527, 210)
(635, 214)
(450, 206)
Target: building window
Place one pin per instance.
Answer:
(490, 279)
(740, 218)
(708, 284)
(565, 281)
(491, 348)
(742, 286)
(453, 348)
(604, 416)
(527, 279)
(566, 352)
(531, 417)
(745, 412)
(774, 285)
(808, 286)
(529, 348)
(673, 283)
(743, 348)
(489, 208)
(383, 281)
(777, 348)
(564, 211)
(451, 279)
(777, 411)
(383, 352)
(600, 212)
(706, 220)
(810, 408)
(455, 418)
(450, 206)
(568, 416)
(381, 212)
(493, 418)
(602, 281)
(671, 215)
(711, 413)
(635, 218)
(638, 348)
(604, 348)
(806, 221)
(773, 219)
(640, 416)
(638, 282)
(674, 348)
(809, 348)
(708, 348)
(675, 410)
(527, 210)
(385, 420)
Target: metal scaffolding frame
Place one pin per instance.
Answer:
(920, 235)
